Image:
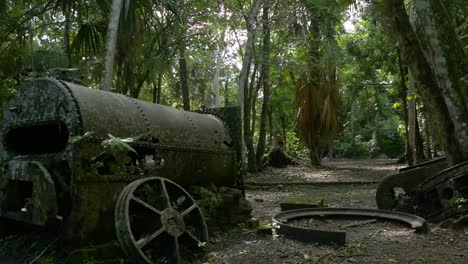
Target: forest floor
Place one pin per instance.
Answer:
(341, 183)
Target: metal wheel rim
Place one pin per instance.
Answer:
(172, 225)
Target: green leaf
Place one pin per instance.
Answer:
(79, 138)
(115, 144)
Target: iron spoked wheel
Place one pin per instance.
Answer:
(157, 221)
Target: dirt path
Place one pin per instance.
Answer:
(380, 242)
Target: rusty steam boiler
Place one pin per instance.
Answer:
(56, 172)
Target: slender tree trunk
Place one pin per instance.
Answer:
(251, 162)
(283, 129)
(412, 120)
(254, 104)
(266, 82)
(226, 92)
(219, 61)
(430, 149)
(331, 147)
(184, 76)
(351, 125)
(427, 137)
(270, 125)
(111, 41)
(157, 89)
(419, 143)
(67, 11)
(403, 95)
(158, 100)
(396, 21)
(155, 92)
(3, 7)
(245, 65)
(31, 43)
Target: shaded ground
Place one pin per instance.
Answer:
(336, 170)
(342, 183)
(380, 242)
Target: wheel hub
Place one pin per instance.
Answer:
(173, 222)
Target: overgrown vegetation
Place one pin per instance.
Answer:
(347, 74)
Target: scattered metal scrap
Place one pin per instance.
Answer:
(392, 187)
(337, 237)
(431, 191)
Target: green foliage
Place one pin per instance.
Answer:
(371, 108)
(206, 199)
(120, 151)
(32, 44)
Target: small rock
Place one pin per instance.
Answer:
(211, 257)
(306, 256)
(265, 229)
(292, 203)
(352, 260)
(252, 222)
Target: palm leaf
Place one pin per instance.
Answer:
(89, 40)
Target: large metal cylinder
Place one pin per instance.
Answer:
(38, 151)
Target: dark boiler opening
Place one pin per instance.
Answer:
(50, 137)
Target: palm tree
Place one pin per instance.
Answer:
(111, 42)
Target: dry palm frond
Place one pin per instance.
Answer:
(316, 105)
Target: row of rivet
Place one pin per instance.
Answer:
(148, 127)
(197, 134)
(167, 147)
(74, 106)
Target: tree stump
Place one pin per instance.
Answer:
(277, 156)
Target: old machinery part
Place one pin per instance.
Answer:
(157, 221)
(444, 195)
(62, 125)
(441, 159)
(338, 237)
(393, 189)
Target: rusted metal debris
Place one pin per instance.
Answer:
(156, 220)
(52, 172)
(443, 196)
(393, 187)
(430, 190)
(337, 237)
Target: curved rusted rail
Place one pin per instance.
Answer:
(337, 236)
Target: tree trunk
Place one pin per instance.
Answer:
(412, 120)
(158, 100)
(226, 92)
(184, 76)
(251, 162)
(245, 65)
(331, 147)
(449, 62)
(111, 41)
(351, 125)
(3, 7)
(254, 104)
(403, 95)
(219, 61)
(397, 22)
(266, 82)
(67, 11)
(419, 143)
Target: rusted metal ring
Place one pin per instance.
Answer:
(338, 237)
